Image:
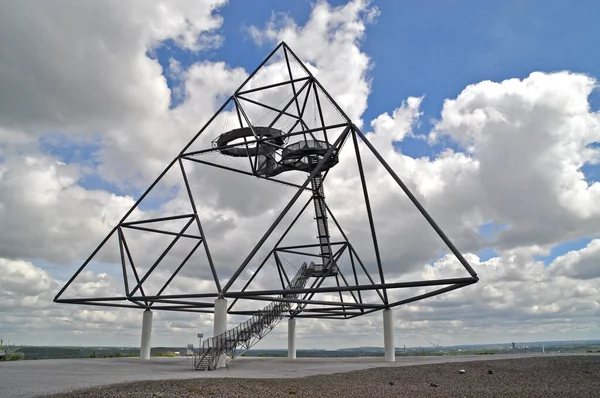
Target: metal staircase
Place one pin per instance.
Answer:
(235, 341)
(328, 267)
(321, 218)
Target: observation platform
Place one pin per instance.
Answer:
(319, 270)
(299, 156)
(265, 142)
(272, 139)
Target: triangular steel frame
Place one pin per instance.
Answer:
(135, 296)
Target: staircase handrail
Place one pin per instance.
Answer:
(228, 341)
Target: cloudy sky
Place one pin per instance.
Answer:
(488, 112)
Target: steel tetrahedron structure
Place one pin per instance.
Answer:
(279, 127)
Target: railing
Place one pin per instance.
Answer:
(306, 144)
(235, 341)
(300, 156)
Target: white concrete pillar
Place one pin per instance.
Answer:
(388, 336)
(146, 335)
(292, 338)
(220, 323)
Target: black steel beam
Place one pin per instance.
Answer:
(300, 301)
(265, 106)
(77, 300)
(194, 304)
(205, 126)
(431, 294)
(174, 274)
(268, 86)
(96, 303)
(308, 245)
(319, 316)
(261, 140)
(287, 208)
(347, 284)
(211, 264)
(255, 71)
(220, 166)
(176, 296)
(279, 267)
(289, 68)
(122, 256)
(417, 204)
(298, 253)
(395, 285)
(252, 277)
(183, 309)
(76, 274)
(362, 265)
(135, 273)
(285, 46)
(160, 258)
(157, 219)
(318, 309)
(158, 231)
(363, 181)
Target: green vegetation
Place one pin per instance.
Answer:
(119, 354)
(165, 354)
(15, 352)
(15, 356)
(573, 347)
(10, 353)
(42, 352)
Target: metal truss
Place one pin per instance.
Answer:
(300, 137)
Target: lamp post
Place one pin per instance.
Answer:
(200, 335)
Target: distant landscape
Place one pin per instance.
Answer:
(26, 352)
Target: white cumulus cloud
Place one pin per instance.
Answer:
(520, 146)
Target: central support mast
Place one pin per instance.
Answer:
(321, 218)
(328, 266)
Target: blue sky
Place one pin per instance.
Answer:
(435, 49)
(441, 46)
(432, 49)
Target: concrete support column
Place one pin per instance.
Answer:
(146, 335)
(220, 323)
(292, 338)
(388, 336)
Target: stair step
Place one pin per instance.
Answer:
(262, 323)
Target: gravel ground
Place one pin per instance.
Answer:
(568, 376)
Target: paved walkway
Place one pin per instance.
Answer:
(33, 378)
